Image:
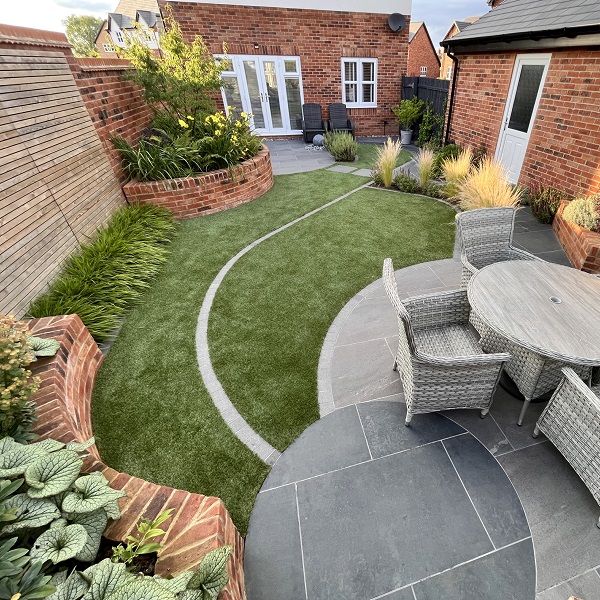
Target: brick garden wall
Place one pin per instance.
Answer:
(207, 193)
(422, 54)
(564, 147)
(199, 523)
(319, 37)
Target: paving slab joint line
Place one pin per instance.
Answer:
(238, 425)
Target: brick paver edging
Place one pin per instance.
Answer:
(582, 246)
(207, 193)
(199, 523)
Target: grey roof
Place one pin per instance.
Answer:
(122, 21)
(461, 25)
(147, 17)
(523, 16)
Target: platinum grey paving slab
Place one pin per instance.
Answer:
(496, 502)
(448, 270)
(508, 574)
(537, 241)
(404, 594)
(333, 442)
(556, 256)
(362, 172)
(373, 318)
(561, 511)
(273, 555)
(585, 587)
(342, 169)
(383, 423)
(380, 525)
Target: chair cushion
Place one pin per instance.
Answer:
(451, 341)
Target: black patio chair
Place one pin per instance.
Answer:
(312, 122)
(338, 119)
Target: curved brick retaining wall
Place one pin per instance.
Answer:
(582, 246)
(199, 523)
(208, 192)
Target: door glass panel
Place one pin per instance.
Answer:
(254, 93)
(273, 93)
(527, 91)
(294, 102)
(233, 97)
(290, 66)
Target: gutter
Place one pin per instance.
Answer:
(454, 59)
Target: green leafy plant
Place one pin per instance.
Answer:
(341, 145)
(102, 279)
(30, 584)
(408, 112)
(147, 529)
(448, 151)
(431, 127)
(387, 156)
(406, 183)
(544, 202)
(17, 385)
(584, 211)
(42, 347)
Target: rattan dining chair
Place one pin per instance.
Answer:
(441, 363)
(485, 237)
(571, 421)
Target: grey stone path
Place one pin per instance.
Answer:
(355, 368)
(294, 156)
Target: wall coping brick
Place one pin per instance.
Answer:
(199, 523)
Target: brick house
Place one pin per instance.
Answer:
(283, 53)
(527, 87)
(446, 63)
(423, 60)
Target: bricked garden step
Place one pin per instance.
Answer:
(199, 523)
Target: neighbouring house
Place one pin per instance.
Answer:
(527, 87)
(283, 53)
(423, 59)
(446, 63)
(131, 17)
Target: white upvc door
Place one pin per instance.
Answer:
(268, 87)
(523, 99)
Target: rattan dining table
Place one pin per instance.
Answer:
(549, 309)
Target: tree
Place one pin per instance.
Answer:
(81, 32)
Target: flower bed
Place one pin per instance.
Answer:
(207, 192)
(199, 523)
(582, 246)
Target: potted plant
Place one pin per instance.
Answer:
(407, 113)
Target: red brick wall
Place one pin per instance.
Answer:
(319, 37)
(422, 54)
(116, 106)
(207, 193)
(564, 147)
(199, 523)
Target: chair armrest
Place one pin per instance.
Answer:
(439, 309)
(469, 363)
(470, 267)
(577, 385)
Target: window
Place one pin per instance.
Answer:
(359, 82)
(108, 47)
(119, 36)
(423, 71)
(449, 72)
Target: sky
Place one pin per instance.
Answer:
(49, 14)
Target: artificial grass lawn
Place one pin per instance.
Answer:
(367, 155)
(152, 416)
(273, 309)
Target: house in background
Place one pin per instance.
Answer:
(527, 88)
(423, 59)
(446, 62)
(283, 53)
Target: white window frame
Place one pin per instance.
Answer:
(108, 47)
(449, 72)
(359, 82)
(423, 72)
(120, 37)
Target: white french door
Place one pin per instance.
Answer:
(523, 99)
(268, 87)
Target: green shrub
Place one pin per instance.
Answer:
(405, 183)
(448, 151)
(435, 190)
(431, 128)
(341, 145)
(104, 277)
(479, 155)
(584, 211)
(544, 202)
(408, 112)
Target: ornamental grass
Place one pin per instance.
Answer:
(424, 162)
(387, 156)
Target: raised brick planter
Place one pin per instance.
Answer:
(582, 246)
(199, 523)
(209, 192)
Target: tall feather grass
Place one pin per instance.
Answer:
(487, 186)
(387, 156)
(455, 170)
(424, 162)
(106, 276)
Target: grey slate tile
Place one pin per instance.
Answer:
(404, 594)
(537, 241)
(508, 574)
(490, 489)
(342, 169)
(373, 318)
(383, 423)
(273, 548)
(333, 442)
(586, 586)
(378, 526)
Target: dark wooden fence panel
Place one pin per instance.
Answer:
(426, 89)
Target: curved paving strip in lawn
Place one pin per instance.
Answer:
(226, 408)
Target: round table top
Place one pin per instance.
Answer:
(548, 308)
